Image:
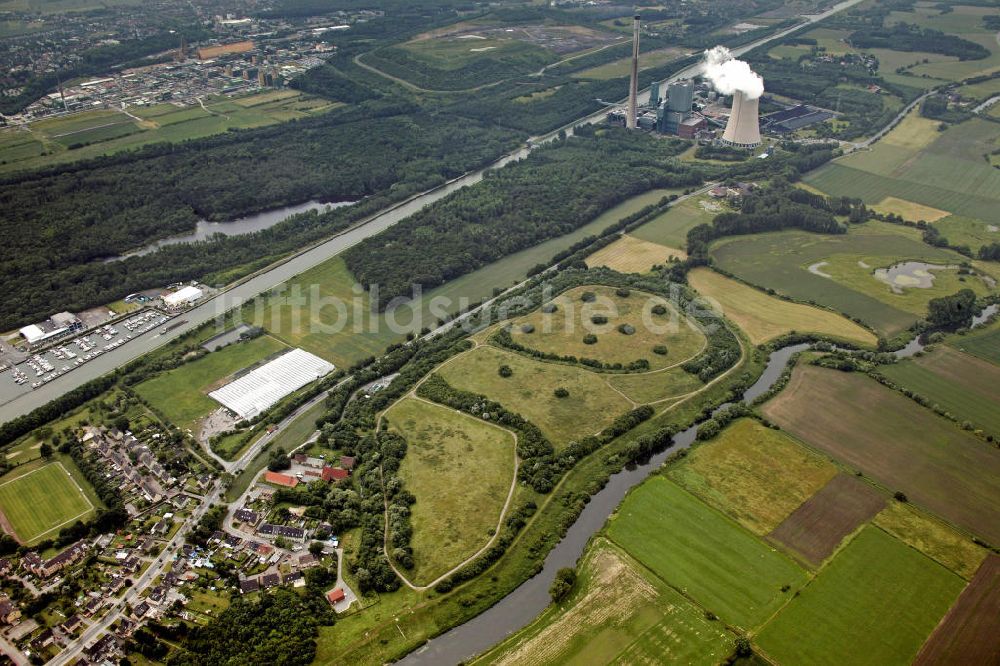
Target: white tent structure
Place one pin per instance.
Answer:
(262, 387)
(183, 296)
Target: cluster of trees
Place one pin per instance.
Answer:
(936, 107)
(952, 312)
(990, 252)
(503, 338)
(392, 449)
(553, 192)
(370, 567)
(909, 37)
(724, 153)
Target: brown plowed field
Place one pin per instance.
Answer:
(970, 633)
(895, 441)
(816, 528)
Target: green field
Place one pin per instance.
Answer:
(460, 470)
(619, 613)
(984, 344)
(965, 386)
(756, 475)
(181, 394)
(38, 502)
(781, 261)
(671, 227)
(932, 537)
(875, 603)
(964, 21)
(694, 548)
(622, 67)
(562, 332)
(529, 391)
(967, 231)
(657, 386)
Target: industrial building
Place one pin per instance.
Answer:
(55, 326)
(262, 387)
(184, 296)
(743, 128)
(795, 118)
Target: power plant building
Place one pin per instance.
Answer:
(743, 128)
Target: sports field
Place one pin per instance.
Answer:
(842, 275)
(530, 391)
(181, 394)
(671, 227)
(38, 503)
(815, 529)
(460, 470)
(763, 317)
(716, 562)
(755, 474)
(619, 613)
(875, 603)
(896, 442)
(563, 331)
(963, 385)
(629, 254)
(981, 343)
(932, 537)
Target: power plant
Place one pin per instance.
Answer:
(633, 85)
(743, 128)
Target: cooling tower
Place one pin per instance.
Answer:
(743, 128)
(633, 86)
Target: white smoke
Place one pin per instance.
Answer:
(729, 75)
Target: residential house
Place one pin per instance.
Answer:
(9, 612)
(334, 474)
(247, 516)
(269, 580)
(45, 568)
(248, 585)
(335, 596)
(280, 479)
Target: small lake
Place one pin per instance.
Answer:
(244, 225)
(910, 274)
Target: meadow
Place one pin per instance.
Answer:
(961, 384)
(671, 227)
(715, 561)
(875, 603)
(896, 442)
(932, 537)
(530, 391)
(460, 469)
(629, 254)
(181, 394)
(845, 265)
(968, 231)
(984, 343)
(763, 317)
(38, 500)
(964, 21)
(656, 387)
(754, 474)
(563, 330)
(622, 67)
(619, 612)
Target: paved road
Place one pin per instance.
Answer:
(10, 650)
(318, 253)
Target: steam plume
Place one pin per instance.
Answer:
(729, 75)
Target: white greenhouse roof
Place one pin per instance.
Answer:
(262, 387)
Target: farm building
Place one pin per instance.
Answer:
(58, 324)
(262, 387)
(280, 479)
(183, 296)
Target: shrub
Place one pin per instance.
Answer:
(590, 339)
(660, 349)
(563, 584)
(588, 297)
(528, 328)
(505, 371)
(626, 329)
(549, 308)
(561, 392)
(599, 319)
(622, 292)
(659, 309)
(900, 496)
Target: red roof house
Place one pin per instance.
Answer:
(335, 595)
(334, 473)
(280, 479)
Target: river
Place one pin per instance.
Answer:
(24, 402)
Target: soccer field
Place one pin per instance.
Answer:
(40, 502)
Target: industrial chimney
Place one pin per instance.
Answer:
(633, 86)
(743, 128)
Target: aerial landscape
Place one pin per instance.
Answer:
(510, 332)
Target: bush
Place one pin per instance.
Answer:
(590, 339)
(528, 328)
(622, 292)
(900, 496)
(588, 297)
(599, 319)
(505, 371)
(563, 584)
(660, 349)
(626, 329)
(561, 392)
(659, 309)
(549, 308)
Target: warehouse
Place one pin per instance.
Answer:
(183, 296)
(262, 387)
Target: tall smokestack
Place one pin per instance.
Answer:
(743, 128)
(633, 85)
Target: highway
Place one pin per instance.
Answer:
(281, 272)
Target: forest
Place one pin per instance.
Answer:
(907, 37)
(556, 190)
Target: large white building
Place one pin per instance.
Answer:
(262, 387)
(58, 324)
(183, 296)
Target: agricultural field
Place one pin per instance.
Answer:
(763, 317)
(941, 170)
(896, 442)
(875, 603)
(984, 344)
(671, 227)
(839, 271)
(620, 612)
(716, 562)
(964, 21)
(815, 529)
(460, 469)
(181, 394)
(95, 133)
(590, 406)
(963, 385)
(932, 537)
(563, 331)
(968, 634)
(909, 210)
(37, 501)
(623, 67)
(756, 475)
(629, 254)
